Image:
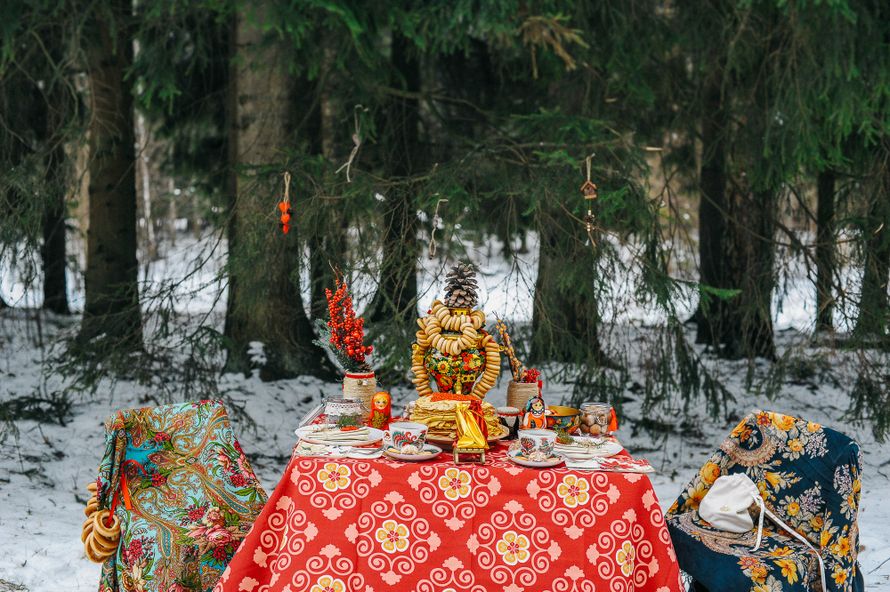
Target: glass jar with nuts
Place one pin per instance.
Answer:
(595, 418)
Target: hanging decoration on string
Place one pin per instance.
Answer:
(436, 221)
(356, 141)
(589, 191)
(284, 206)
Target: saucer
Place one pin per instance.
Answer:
(536, 464)
(429, 452)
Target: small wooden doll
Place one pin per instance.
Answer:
(535, 413)
(381, 410)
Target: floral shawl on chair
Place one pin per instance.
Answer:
(191, 493)
(808, 475)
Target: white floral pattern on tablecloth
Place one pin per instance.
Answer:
(513, 548)
(454, 495)
(328, 584)
(455, 483)
(333, 487)
(573, 490)
(334, 476)
(392, 536)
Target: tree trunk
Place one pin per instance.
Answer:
(327, 238)
(60, 107)
(874, 307)
(143, 139)
(711, 209)
(825, 250)
(396, 296)
(565, 317)
(737, 226)
(52, 251)
(747, 325)
(112, 296)
(264, 301)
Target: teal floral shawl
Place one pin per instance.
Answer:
(184, 492)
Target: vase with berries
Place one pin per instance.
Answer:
(343, 335)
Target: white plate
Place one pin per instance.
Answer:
(585, 447)
(429, 452)
(537, 464)
(306, 434)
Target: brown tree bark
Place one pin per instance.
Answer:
(746, 325)
(712, 206)
(736, 229)
(111, 306)
(327, 237)
(565, 315)
(60, 107)
(52, 251)
(396, 295)
(264, 300)
(874, 307)
(825, 251)
(740, 325)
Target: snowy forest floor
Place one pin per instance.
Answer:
(44, 466)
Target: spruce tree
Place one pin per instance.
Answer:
(111, 307)
(265, 304)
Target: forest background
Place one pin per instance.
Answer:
(735, 144)
(738, 252)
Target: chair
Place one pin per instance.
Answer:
(184, 492)
(808, 475)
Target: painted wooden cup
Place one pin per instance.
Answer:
(535, 443)
(406, 433)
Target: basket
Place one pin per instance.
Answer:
(518, 393)
(360, 387)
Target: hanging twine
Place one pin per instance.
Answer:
(286, 198)
(356, 142)
(589, 192)
(436, 220)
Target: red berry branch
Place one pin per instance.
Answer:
(346, 333)
(530, 375)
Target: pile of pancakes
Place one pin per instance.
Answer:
(437, 413)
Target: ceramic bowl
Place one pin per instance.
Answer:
(563, 418)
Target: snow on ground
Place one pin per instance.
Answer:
(44, 466)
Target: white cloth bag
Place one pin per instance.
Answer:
(726, 504)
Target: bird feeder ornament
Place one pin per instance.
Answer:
(589, 191)
(284, 206)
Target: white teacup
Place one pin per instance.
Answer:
(536, 443)
(405, 433)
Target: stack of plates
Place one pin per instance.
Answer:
(331, 435)
(587, 447)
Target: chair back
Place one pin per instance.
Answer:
(178, 479)
(807, 474)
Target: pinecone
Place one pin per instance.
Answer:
(461, 287)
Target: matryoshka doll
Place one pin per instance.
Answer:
(381, 410)
(535, 413)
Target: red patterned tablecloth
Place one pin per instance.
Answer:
(343, 525)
